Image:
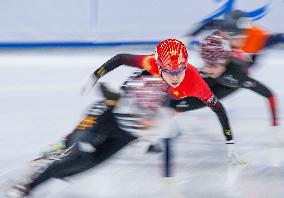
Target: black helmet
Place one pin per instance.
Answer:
(233, 22)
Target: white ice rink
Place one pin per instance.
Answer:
(40, 102)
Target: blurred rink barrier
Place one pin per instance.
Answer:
(72, 23)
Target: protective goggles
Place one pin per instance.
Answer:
(175, 72)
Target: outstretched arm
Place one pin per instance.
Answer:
(139, 61)
(261, 89)
(121, 59)
(236, 69)
(220, 111)
(203, 92)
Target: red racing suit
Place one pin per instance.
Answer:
(192, 86)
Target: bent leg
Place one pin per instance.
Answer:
(83, 156)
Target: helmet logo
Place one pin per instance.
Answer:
(173, 52)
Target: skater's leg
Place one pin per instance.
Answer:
(83, 157)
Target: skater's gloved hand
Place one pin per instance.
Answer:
(89, 84)
(231, 150)
(233, 156)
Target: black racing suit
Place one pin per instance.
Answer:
(230, 81)
(95, 139)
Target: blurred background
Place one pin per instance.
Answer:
(48, 48)
(90, 21)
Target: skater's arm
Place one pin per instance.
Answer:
(146, 62)
(236, 70)
(138, 61)
(261, 89)
(247, 82)
(204, 93)
(220, 111)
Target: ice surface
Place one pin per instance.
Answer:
(40, 101)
